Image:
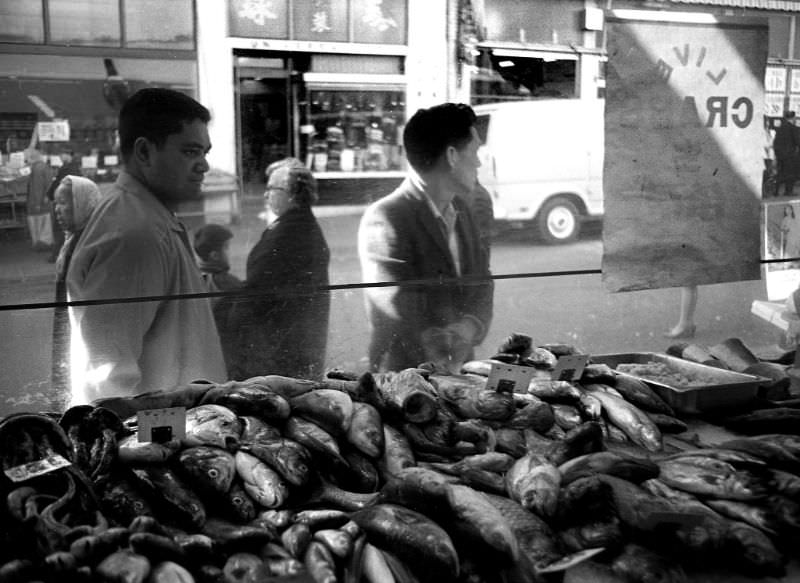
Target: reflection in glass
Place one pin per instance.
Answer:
(157, 24)
(21, 21)
(85, 22)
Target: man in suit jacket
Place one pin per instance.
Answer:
(424, 237)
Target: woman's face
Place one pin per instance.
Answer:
(63, 207)
(277, 195)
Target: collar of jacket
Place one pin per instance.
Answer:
(155, 207)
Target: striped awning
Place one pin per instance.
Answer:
(784, 5)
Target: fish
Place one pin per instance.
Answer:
(249, 399)
(787, 511)
(586, 515)
(132, 451)
(633, 422)
(510, 441)
(492, 461)
(287, 457)
(320, 563)
(597, 372)
(738, 459)
(476, 518)
(421, 489)
(406, 395)
(411, 536)
(397, 453)
(366, 430)
(316, 440)
(277, 519)
(123, 502)
(517, 343)
(566, 416)
(775, 455)
(361, 474)
(585, 438)
(245, 567)
(468, 402)
(330, 409)
(535, 414)
(209, 469)
(535, 538)
(262, 483)
(718, 480)
(339, 543)
(554, 391)
(483, 480)
(638, 563)
(629, 468)
(667, 423)
(590, 408)
(255, 430)
(423, 442)
(786, 483)
(752, 551)
(164, 486)
(212, 425)
(375, 568)
(640, 394)
(791, 443)
(237, 504)
(783, 420)
(287, 387)
(540, 357)
(331, 495)
(534, 481)
(296, 539)
(754, 515)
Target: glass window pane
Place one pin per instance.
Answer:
(85, 22)
(258, 18)
(779, 37)
(157, 24)
(322, 20)
(21, 21)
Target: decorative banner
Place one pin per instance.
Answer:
(684, 149)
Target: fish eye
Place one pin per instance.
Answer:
(213, 473)
(237, 500)
(138, 506)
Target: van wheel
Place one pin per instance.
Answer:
(558, 221)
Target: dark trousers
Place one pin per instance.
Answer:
(785, 176)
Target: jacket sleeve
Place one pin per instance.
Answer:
(386, 256)
(111, 268)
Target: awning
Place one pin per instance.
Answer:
(784, 5)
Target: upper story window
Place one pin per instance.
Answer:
(148, 24)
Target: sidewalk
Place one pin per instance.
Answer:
(19, 263)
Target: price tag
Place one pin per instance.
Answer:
(38, 468)
(161, 425)
(570, 368)
(509, 378)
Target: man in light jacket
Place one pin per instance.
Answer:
(134, 246)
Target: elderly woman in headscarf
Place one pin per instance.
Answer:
(73, 202)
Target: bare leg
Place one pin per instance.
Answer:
(685, 328)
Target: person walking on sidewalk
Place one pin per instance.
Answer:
(134, 246)
(74, 201)
(424, 230)
(787, 154)
(70, 166)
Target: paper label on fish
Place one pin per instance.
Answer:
(509, 378)
(570, 367)
(38, 468)
(161, 425)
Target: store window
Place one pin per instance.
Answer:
(159, 24)
(21, 21)
(514, 75)
(85, 22)
(321, 20)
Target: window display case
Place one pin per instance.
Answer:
(354, 131)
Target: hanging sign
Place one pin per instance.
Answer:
(53, 131)
(684, 151)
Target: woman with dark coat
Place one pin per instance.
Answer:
(284, 330)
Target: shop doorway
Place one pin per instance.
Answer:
(263, 120)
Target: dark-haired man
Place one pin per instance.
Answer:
(424, 230)
(133, 247)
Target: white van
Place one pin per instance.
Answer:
(542, 161)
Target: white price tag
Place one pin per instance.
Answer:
(570, 367)
(509, 378)
(161, 425)
(38, 468)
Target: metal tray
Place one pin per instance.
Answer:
(726, 388)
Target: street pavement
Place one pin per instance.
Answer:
(574, 309)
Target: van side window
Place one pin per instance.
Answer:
(482, 127)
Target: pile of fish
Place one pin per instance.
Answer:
(410, 476)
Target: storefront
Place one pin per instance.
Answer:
(327, 82)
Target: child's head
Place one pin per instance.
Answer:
(211, 243)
